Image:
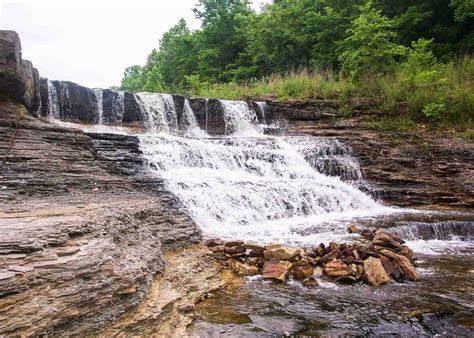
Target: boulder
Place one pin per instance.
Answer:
(336, 268)
(277, 271)
(374, 272)
(242, 269)
(282, 253)
(19, 81)
(408, 270)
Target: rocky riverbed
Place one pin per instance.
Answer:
(378, 259)
(93, 242)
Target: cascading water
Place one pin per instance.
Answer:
(53, 102)
(239, 118)
(153, 108)
(189, 120)
(262, 106)
(259, 187)
(118, 106)
(99, 94)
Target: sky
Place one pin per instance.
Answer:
(91, 42)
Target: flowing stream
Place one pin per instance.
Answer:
(300, 190)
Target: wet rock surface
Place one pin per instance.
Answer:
(405, 169)
(83, 227)
(376, 259)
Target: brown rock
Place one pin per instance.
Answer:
(234, 243)
(254, 253)
(282, 253)
(234, 250)
(391, 270)
(242, 269)
(353, 229)
(386, 240)
(319, 250)
(313, 261)
(213, 242)
(278, 271)
(336, 268)
(272, 246)
(254, 247)
(216, 248)
(302, 272)
(405, 251)
(375, 272)
(367, 234)
(408, 269)
(330, 256)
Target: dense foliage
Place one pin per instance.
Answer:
(355, 43)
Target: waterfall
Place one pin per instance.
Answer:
(158, 112)
(258, 188)
(118, 107)
(99, 94)
(170, 111)
(262, 106)
(189, 120)
(53, 102)
(239, 118)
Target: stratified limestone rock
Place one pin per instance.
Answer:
(86, 227)
(19, 81)
(375, 272)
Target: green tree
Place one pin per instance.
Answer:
(132, 80)
(370, 47)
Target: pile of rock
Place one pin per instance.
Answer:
(377, 258)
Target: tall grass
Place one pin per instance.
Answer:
(453, 85)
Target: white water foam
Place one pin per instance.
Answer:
(99, 95)
(153, 109)
(259, 189)
(239, 119)
(53, 102)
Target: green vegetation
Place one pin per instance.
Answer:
(413, 56)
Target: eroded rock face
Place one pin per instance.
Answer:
(19, 81)
(406, 169)
(87, 227)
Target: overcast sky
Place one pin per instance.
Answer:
(91, 42)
